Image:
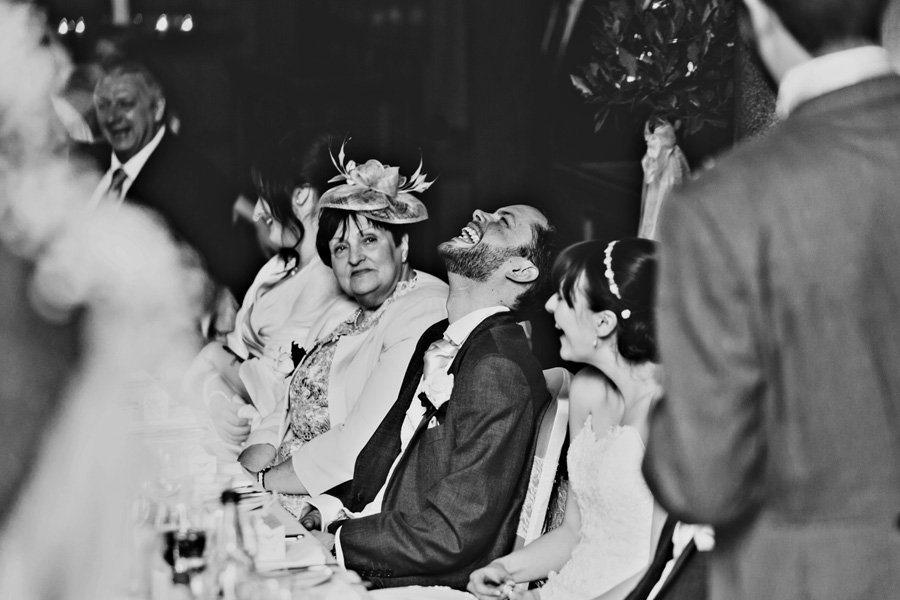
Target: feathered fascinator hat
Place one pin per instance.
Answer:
(378, 190)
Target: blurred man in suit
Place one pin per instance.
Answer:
(153, 167)
(437, 491)
(778, 324)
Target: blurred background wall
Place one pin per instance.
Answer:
(479, 88)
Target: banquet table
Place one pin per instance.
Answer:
(186, 450)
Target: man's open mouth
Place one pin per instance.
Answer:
(470, 234)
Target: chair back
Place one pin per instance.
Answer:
(657, 567)
(551, 436)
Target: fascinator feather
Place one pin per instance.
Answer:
(378, 190)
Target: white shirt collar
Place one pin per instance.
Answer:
(829, 73)
(133, 165)
(458, 331)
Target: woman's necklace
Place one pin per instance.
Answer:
(363, 317)
(360, 317)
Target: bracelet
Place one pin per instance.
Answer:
(261, 477)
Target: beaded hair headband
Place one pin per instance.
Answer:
(610, 277)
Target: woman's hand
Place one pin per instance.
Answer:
(257, 457)
(312, 520)
(490, 581)
(223, 411)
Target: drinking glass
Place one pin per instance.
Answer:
(183, 523)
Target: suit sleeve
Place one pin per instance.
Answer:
(329, 459)
(491, 413)
(706, 449)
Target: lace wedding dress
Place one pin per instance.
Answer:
(616, 511)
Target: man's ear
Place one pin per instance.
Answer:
(159, 110)
(521, 270)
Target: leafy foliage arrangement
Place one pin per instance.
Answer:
(665, 59)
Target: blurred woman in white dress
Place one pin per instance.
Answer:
(89, 298)
(604, 308)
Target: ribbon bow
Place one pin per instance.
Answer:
(434, 414)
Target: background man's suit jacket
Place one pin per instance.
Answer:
(780, 336)
(453, 502)
(195, 200)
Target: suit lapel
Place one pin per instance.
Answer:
(409, 390)
(375, 460)
(453, 369)
(148, 187)
(503, 318)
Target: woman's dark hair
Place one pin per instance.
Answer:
(634, 266)
(299, 159)
(332, 219)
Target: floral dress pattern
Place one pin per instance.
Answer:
(308, 390)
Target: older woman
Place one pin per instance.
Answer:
(351, 371)
(605, 311)
(291, 291)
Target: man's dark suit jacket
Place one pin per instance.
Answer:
(453, 502)
(780, 334)
(196, 202)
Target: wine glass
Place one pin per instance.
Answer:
(183, 523)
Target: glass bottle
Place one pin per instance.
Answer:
(230, 565)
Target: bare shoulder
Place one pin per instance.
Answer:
(592, 393)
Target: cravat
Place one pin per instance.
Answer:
(118, 182)
(437, 357)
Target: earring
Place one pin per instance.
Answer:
(596, 341)
(403, 256)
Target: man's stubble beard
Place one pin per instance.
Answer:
(477, 263)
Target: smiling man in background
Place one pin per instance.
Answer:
(151, 166)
